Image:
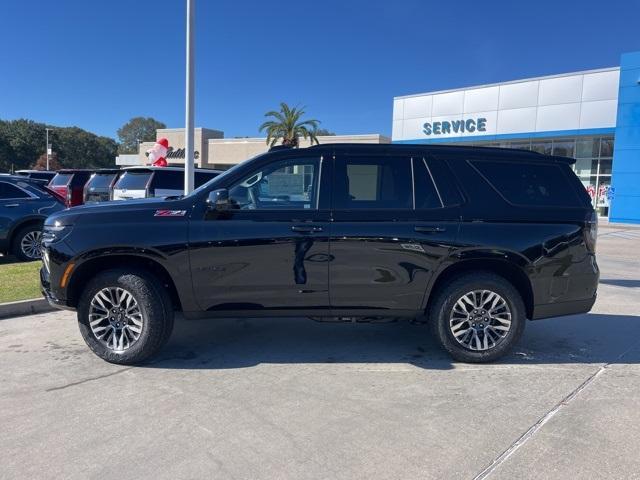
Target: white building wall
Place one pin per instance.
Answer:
(582, 100)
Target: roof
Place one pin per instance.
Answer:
(412, 147)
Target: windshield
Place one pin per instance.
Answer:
(223, 175)
(133, 181)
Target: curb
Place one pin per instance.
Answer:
(24, 307)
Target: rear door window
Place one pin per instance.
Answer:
(373, 183)
(529, 184)
(8, 191)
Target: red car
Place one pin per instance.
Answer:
(70, 185)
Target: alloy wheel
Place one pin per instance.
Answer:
(30, 244)
(480, 320)
(115, 318)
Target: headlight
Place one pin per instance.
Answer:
(55, 233)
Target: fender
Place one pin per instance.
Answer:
(85, 260)
(474, 258)
(21, 223)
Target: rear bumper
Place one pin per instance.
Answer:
(559, 309)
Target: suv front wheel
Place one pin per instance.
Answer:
(125, 317)
(478, 317)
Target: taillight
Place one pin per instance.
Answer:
(591, 232)
(69, 197)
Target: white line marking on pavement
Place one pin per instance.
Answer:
(500, 459)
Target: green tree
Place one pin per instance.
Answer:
(22, 143)
(136, 130)
(287, 125)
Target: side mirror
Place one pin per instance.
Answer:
(218, 199)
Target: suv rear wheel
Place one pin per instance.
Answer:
(478, 317)
(26, 243)
(124, 316)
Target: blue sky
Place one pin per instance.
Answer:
(95, 64)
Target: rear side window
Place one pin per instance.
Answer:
(133, 180)
(445, 182)
(8, 191)
(61, 179)
(529, 184)
(426, 194)
(374, 183)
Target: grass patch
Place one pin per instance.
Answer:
(19, 281)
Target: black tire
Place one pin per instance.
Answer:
(443, 304)
(16, 244)
(155, 307)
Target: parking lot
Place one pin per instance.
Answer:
(292, 398)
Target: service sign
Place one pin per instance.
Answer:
(456, 127)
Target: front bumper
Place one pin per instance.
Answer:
(45, 288)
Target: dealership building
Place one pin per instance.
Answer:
(593, 116)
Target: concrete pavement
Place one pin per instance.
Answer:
(291, 398)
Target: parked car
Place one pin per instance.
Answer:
(98, 187)
(43, 175)
(143, 182)
(70, 184)
(24, 204)
(476, 239)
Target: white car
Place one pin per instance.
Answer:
(143, 182)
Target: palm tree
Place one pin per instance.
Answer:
(287, 125)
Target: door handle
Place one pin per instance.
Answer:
(429, 229)
(306, 229)
(12, 205)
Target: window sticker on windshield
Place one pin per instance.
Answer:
(170, 213)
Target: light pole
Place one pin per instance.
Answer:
(189, 93)
(48, 146)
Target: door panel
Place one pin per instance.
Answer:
(271, 252)
(383, 259)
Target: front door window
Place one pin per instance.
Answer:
(285, 185)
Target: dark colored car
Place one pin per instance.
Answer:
(99, 186)
(42, 175)
(70, 184)
(476, 239)
(144, 182)
(24, 204)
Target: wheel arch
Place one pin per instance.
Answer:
(91, 267)
(23, 222)
(509, 270)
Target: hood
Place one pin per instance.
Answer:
(123, 209)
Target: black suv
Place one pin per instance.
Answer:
(24, 204)
(476, 239)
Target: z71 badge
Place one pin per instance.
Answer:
(170, 213)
